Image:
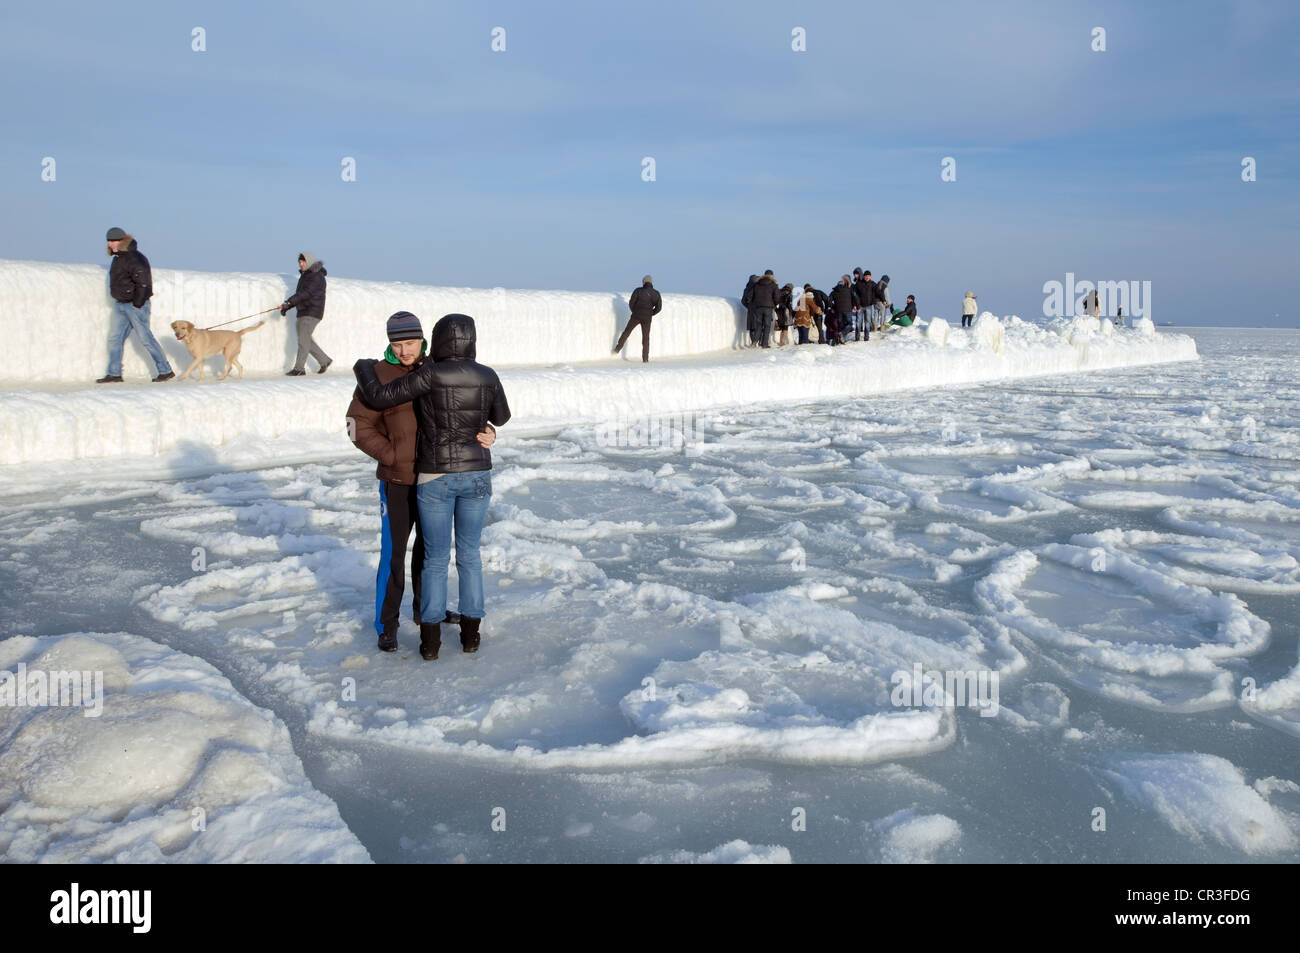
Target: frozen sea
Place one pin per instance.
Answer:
(694, 653)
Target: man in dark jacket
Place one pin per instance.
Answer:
(766, 297)
(866, 289)
(844, 300)
(906, 317)
(130, 282)
(751, 317)
(455, 398)
(645, 304)
(309, 299)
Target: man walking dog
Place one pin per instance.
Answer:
(309, 299)
(130, 282)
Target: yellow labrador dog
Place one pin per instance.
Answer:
(205, 344)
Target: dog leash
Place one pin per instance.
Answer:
(244, 318)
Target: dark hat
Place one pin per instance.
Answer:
(115, 234)
(884, 277)
(807, 287)
(857, 271)
(768, 272)
(404, 326)
(866, 274)
(911, 297)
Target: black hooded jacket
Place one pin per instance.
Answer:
(129, 277)
(455, 398)
(309, 296)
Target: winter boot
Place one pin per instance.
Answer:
(453, 618)
(469, 635)
(430, 640)
(388, 639)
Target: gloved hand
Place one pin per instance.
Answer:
(284, 309)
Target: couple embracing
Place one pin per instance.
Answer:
(428, 420)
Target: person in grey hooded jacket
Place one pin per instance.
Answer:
(309, 299)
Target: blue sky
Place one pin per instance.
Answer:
(522, 168)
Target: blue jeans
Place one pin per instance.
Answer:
(127, 317)
(459, 499)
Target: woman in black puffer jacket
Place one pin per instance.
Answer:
(455, 397)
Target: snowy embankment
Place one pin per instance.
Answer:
(535, 339)
(120, 749)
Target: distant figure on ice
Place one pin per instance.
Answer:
(805, 312)
(844, 301)
(309, 299)
(866, 289)
(785, 313)
(645, 304)
(130, 282)
(1119, 317)
(751, 316)
(455, 399)
(766, 296)
(1091, 303)
(881, 307)
(390, 436)
(823, 305)
(968, 309)
(906, 317)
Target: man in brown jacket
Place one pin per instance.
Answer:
(389, 436)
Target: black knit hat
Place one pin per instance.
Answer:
(115, 234)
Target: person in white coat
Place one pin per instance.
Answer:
(968, 309)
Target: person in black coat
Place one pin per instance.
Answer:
(455, 398)
(867, 299)
(766, 297)
(309, 299)
(130, 283)
(785, 313)
(844, 299)
(645, 303)
(751, 316)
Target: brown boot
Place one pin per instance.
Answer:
(430, 640)
(469, 635)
